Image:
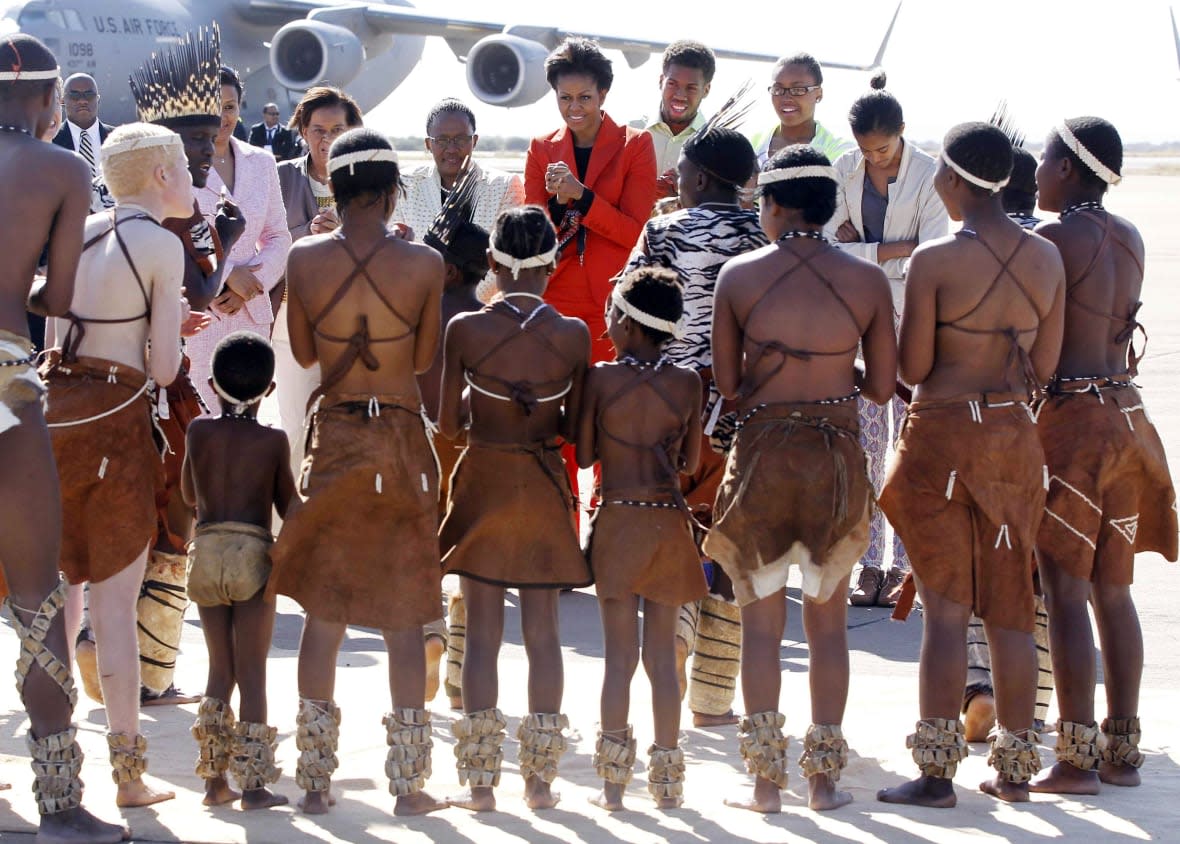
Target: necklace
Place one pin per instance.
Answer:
(657, 364)
(812, 235)
(21, 129)
(1090, 205)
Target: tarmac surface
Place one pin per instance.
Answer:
(882, 708)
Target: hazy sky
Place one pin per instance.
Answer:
(947, 61)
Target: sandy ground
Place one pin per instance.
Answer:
(881, 710)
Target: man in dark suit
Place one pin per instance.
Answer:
(82, 131)
(269, 134)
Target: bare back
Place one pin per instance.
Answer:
(789, 320)
(1103, 256)
(236, 470)
(523, 366)
(46, 191)
(366, 306)
(127, 293)
(642, 423)
(982, 313)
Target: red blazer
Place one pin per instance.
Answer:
(622, 174)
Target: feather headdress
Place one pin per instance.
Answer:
(450, 233)
(1002, 120)
(181, 83)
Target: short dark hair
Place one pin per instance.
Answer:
(243, 365)
(876, 111)
(1021, 191)
(450, 105)
(372, 180)
(1100, 138)
(325, 96)
(815, 196)
(692, 54)
(981, 149)
(579, 57)
(806, 60)
(229, 76)
(467, 251)
(655, 291)
(524, 231)
(723, 154)
(21, 52)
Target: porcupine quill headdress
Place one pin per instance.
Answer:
(453, 218)
(1002, 120)
(181, 83)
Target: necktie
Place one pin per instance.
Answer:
(87, 151)
(270, 136)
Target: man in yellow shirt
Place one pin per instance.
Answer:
(685, 78)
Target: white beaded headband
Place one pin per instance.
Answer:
(29, 75)
(994, 187)
(518, 264)
(351, 159)
(1088, 158)
(131, 144)
(811, 171)
(629, 310)
(237, 405)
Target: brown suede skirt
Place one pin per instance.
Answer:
(361, 546)
(509, 519)
(108, 463)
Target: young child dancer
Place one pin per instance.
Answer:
(363, 547)
(127, 299)
(234, 472)
(787, 324)
(509, 520)
(641, 418)
(980, 331)
(1110, 492)
(49, 188)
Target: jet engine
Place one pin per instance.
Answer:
(507, 70)
(310, 52)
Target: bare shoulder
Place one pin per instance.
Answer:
(574, 328)
(58, 165)
(1128, 233)
(684, 379)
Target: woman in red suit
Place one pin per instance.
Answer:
(598, 180)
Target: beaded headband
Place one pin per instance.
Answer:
(518, 264)
(238, 406)
(994, 187)
(29, 75)
(632, 312)
(1088, 158)
(110, 150)
(811, 171)
(364, 156)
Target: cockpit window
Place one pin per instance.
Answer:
(74, 20)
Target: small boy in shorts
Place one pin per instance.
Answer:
(641, 418)
(235, 471)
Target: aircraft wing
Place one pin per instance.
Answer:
(461, 33)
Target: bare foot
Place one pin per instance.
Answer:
(934, 792)
(1009, 792)
(436, 649)
(261, 798)
(700, 719)
(1120, 775)
(76, 826)
(316, 802)
(667, 803)
(218, 792)
(138, 793)
(475, 800)
(822, 795)
(1064, 778)
(765, 798)
(538, 795)
(610, 798)
(417, 804)
(682, 666)
(980, 717)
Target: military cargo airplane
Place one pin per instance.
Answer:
(283, 47)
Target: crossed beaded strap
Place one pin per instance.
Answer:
(32, 643)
